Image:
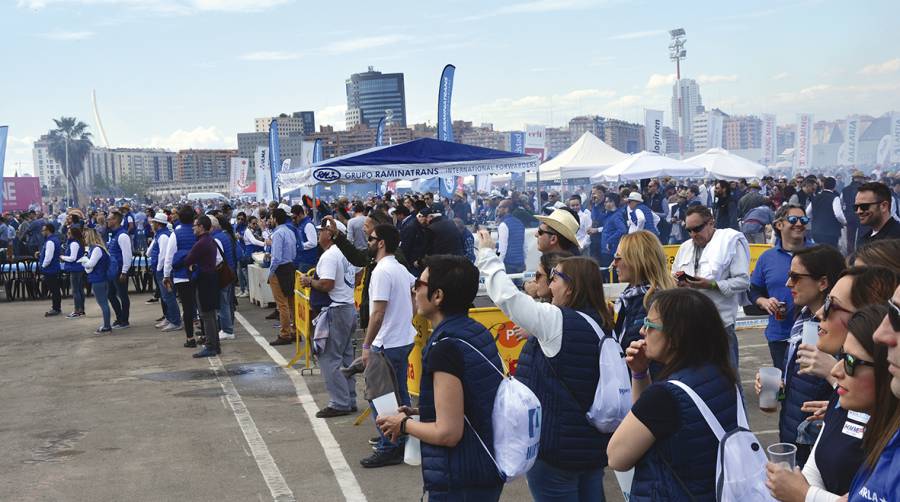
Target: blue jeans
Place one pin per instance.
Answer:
(399, 358)
(77, 279)
(243, 280)
(101, 292)
(552, 484)
(169, 300)
(226, 321)
(733, 345)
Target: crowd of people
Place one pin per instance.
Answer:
(833, 269)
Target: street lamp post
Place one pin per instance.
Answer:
(677, 52)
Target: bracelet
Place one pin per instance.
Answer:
(403, 425)
(366, 346)
(639, 375)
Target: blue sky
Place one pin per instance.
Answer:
(193, 73)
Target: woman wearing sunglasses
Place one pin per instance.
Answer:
(664, 437)
(559, 363)
(864, 388)
(838, 452)
(768, 289)
(814, 270)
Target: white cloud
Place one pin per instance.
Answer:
(181, 7)
(332, 115)
(67, 35)
(889, 66)
(624, 101)
(18, 155)
(362, 43)
(199, 137)
(715, 79)
(658, 80)
(538, 7)
(638, 34)
(270, 56)
(781, 76)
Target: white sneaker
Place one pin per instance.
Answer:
(225, 336)
(171, 327)
(161, 324)
(245, 294)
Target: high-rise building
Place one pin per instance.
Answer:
(296, 123)
(45, 166)
(289, 146)
(146, 165)
(336, 143)
(557, 139)
(204, 165)
(371, 94)
(686, 104)
(742, 132)
(585, 123)
(624, 136)
(701, 139)
(785, 137)
(671, 138)
(484, 136)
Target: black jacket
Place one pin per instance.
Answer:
(442, 237)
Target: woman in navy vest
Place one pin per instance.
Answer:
(460, 366)
(560, 364)
(838, 452)
(813, 272)
(73, 252)
(96, 264)
(48, 260)
(664, 437)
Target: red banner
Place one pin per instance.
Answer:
(20, 193)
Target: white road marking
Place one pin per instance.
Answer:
(274, 480)
(345, 477)
(759, 433)
(754, 346)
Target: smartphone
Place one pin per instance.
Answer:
(682, 276)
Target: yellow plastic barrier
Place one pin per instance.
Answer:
(755, 251)
(491, 318)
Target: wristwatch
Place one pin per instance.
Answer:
(403, 425)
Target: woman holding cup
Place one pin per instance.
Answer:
(838, 452)
(814, 270)
(863, 387)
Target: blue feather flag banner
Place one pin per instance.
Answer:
(379, 133)
(445, 122)
(274, 156)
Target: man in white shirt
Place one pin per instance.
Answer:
(335, 277)
(584, 222)
(390, 330)
(716, 262)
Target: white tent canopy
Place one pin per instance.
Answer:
(649, 165)
(586, 157)
(725, 165)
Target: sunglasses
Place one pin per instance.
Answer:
(648, 324)
(894, 314)
(556, 273)
(830, 305)
(866, 205)
(851, 363)
(698, 228)
(794, 276)
(794, 219)
(541, 231)
(373, 238)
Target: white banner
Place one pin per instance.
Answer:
(851, 144)
(769, 139)
(895, 137)
(307, 149)
(803, 144)
(263, 176)
(653, 133)
(716, 123)
(238, 182)
(883, 154)
(286, 165)
(535, 141)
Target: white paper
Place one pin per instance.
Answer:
(386, 405)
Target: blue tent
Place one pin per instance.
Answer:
(414, 160)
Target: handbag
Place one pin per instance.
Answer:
(223, 271)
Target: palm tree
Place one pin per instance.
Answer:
(70, 144)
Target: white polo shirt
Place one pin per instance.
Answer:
(392, 283)
(332, 265)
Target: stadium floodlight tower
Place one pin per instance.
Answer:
(676, 49)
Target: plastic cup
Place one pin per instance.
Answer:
(412, 453)
(783, 455)
(770, 378)
(810, 334)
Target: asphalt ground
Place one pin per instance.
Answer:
(132, 416)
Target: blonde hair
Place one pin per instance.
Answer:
(647, 261)
(92, 238)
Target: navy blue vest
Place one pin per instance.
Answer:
(649, 224)
(115, 253)
(798, 388)
(53, 268)
(154, 252)
(568, 440)
(467, 464)
(239, 233)
(691, 451)
(306, 255)
(824, 222)
(98, 274)
(73, 266)
(515, 245)
(224, 240)
(185, 240)
(838, 455)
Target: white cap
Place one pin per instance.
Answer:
(635, 196)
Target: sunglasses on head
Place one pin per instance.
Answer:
(851, 362)
(894, 314)
(830, 305)
(698, 228)
(865, 205)
(803, 220)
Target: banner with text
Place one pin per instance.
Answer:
(239, 180)
(769, 139)
(21, 193)
(849, 151)
(653, 131)
(803, 144)
(263, 175)
(535, 141)
(716, 123)
(517, 145)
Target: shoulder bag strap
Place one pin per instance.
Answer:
(708, 415)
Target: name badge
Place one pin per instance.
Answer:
(857, 416)
(854, 430)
